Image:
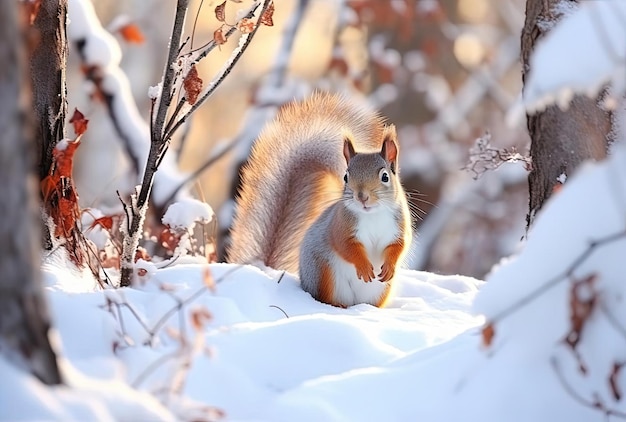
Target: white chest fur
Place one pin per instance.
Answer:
(375, 231)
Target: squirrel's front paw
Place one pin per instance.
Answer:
(387, 272)
(365, 272)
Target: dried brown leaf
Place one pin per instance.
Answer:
(266, 17)
(208, 280)
(245, 26)
(199, 317)
(219, 37)
(193, 85)
(79, 122)
(220, 12)
(582, 303)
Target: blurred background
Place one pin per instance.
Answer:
(445, 72)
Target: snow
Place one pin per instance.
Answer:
(252, 343)
(184, 214)
(595, 31)
(267, 345)
(264, 350)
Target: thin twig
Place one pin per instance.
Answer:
(217, 81)
(152, 367)
(595, 403)
(168, 71)
(280, 309)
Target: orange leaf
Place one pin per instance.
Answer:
(199, 317)
(219, 37)
(193, 85)
(266, 17)
(105, 222)
(220, 12)
(131, 33)
(208, 279)
(488, 332)
(245, 26)
(47, 187)
(79, 122)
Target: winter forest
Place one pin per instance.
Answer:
(125, 126)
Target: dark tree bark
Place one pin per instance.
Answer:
(24, 322)
(47, 63)
(560, 139)
(48, 60)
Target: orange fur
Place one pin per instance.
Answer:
(391, 254)
(326, 292)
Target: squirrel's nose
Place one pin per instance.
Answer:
(362, 197)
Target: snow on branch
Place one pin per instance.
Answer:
(585, 51)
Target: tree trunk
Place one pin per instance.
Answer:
(560, 139)
(24, 322)
(48, 60)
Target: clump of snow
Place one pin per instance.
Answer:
(154, 92)
(62, 144)
(595, 31)
(562, 178)
(184, 214)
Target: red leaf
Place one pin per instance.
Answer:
(219, 37)
(266, 17)
(79, 122)
(488, 332)
(193, 85)
(245, 26)
(220, 12)
(131, 33)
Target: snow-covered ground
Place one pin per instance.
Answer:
(544, 339)
(255, 346)
(258, 347)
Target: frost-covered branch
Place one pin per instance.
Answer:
(268, 98)
(244, 42)
(160, 135)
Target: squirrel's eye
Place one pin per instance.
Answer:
(384, 176)
(345, 177)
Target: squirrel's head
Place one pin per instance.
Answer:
(371, 180)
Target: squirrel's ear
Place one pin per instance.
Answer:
(389, 150)
(348, 148)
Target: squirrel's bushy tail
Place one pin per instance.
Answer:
(294, 172)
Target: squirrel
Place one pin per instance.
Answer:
(321, 195)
